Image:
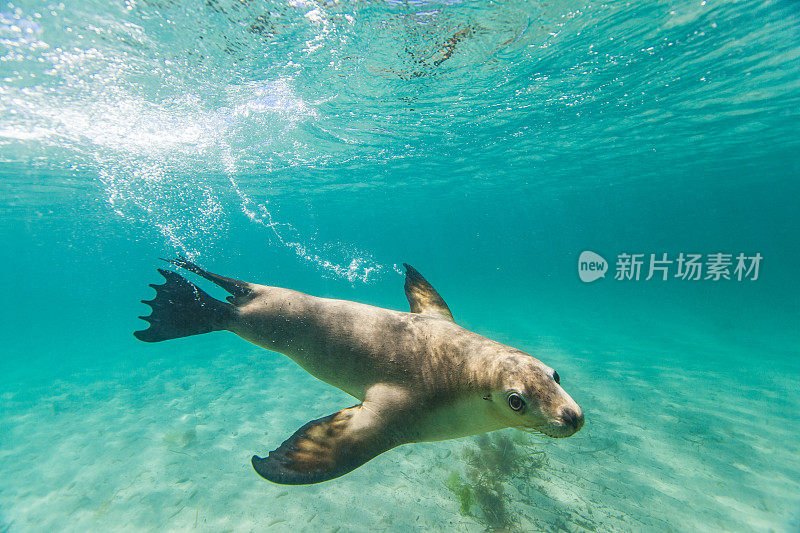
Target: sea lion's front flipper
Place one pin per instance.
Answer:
(422, 297)
(326, 448)
(339, 443)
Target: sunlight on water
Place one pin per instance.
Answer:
(143, 148)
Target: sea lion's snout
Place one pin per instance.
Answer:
(571, 418)
(531, 398)
(564, 421)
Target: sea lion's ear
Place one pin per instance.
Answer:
(422, 297)
(327, 448)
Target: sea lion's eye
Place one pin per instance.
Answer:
(556, 377)
(515, 401)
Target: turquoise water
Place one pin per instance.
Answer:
(317, 146)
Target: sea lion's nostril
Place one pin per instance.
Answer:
(572, 418)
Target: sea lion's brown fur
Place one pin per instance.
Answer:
(420, 377)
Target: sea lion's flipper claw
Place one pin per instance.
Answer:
(238, 288)
(422, 297)
(326, 448)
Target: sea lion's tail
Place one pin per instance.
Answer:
(180, 309)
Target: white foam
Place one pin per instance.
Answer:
(154, 156)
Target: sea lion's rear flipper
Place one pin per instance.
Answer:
(181, 309)
(327, 448)
(422, 297)
(239, 290)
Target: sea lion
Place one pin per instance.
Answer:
(419, 376)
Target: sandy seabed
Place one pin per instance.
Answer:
(167, 446)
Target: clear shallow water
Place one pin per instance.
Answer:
(318, 146)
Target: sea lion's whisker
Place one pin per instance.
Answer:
(533, 431)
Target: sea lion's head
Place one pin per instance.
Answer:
(527, 395)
